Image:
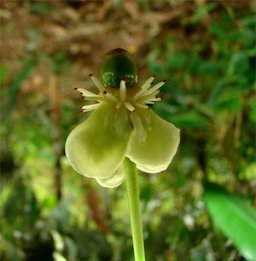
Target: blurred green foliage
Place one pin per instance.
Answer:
(235, 217)
(208, 57)
(211, 87)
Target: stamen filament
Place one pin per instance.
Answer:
(156, 87)
(118, 105)
(94, 98)
(139, 94)
(149, 96)
(86, 92)
(122, 91)
(129, 106)
(155, 99)
(147, 83)
(148, 91)
(90, 107)
(97, 83)
(111, 97)
(141, 105)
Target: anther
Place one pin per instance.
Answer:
(75, 88)
(165, 81)
(90, 75)
(104, 92)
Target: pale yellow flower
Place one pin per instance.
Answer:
(121, 125)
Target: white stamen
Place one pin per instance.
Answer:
(118, 105)
(148, 96)
(147, 83)
(156, 87)
(90, 107)
(97, 83)
(139, 94)
(129, 99)
(86, 92)
(128, 106)
(94, 98)
(141, 105)
(155, 99)
(122, 91)
(111, 97)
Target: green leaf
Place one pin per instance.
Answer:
(234, 216)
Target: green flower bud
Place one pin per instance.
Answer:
(118, 66)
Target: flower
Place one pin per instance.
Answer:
(121, 125)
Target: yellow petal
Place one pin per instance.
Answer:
(153, 142)
(97, 147)
(115, 180)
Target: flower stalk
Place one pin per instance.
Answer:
(132, 187)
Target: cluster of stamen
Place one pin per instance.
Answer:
(130, 98)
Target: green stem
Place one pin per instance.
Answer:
(132, 186)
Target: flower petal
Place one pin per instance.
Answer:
(153, 142)
(97, 147)
(115, 180)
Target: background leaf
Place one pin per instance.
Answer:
(234, 216)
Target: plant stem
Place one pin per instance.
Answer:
(132, 186)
